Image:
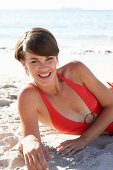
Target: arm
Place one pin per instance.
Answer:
(33, 149)
(105, 98)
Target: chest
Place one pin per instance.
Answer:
(69, 105)
(68, 101)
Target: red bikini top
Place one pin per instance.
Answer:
(65, 125)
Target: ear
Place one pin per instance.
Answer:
(23, 64)
(57, 58)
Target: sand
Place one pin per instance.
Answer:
(98, 155)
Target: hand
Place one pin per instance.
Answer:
(34, 152)
(71, 146)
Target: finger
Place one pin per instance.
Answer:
(61, 150)
(47, 153)
(75, 150)
(42, 160)
(63, 144)
(68, 145)
(67, 150)
(27, 162)
(37, 162)
(58, 147)
(72, 152)
(31, 162)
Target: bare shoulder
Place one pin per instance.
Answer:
(77, 67)
(28, 98)
(84, 74)
(27, 91)
(68, 67)
(73, 70)
(81, 74)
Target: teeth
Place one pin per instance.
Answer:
(44, 75)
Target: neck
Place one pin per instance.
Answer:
(53, 89)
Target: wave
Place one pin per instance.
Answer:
(107, 36)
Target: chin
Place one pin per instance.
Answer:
(45, 81)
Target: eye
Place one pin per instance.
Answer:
(49, 58)
(36, 61)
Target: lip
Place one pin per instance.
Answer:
(44, 74)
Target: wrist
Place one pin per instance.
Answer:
(84, 139)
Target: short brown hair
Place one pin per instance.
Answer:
(37, 41)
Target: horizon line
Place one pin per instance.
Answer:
(62, 8)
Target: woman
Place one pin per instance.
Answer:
(69, 99)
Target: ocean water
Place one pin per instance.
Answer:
(85, 35)
(78, 29)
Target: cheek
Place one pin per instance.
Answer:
(53, 67)
(32, 67)
(54, 64)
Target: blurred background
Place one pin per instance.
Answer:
(83, 29)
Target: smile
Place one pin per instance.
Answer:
(44, 75)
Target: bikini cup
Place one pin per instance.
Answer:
(80, 90)
(67, 126)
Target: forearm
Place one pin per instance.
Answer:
(101, 123)
(28, 130)
(27, 133)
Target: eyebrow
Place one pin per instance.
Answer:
(34, 59)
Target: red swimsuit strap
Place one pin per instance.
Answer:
(68, 126)
(82, 91)
(89, 99)
(61, 123)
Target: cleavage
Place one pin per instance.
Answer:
(70, 105)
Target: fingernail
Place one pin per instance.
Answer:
(52, 156)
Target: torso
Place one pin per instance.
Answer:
(69, 104)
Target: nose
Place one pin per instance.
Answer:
(43, 67)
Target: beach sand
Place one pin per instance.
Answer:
(98, 155)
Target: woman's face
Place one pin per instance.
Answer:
(42, 68)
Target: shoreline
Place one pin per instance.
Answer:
(87, 50)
